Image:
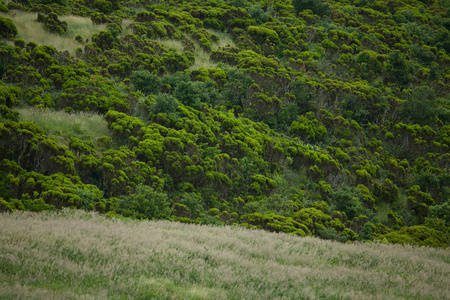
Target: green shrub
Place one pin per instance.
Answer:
(104, 40)
(262, 34)
(104, 6)
(5, 206)
(399, 68)
(313, 218)
(256, 12)
(349, 200)
(8, 114)
(194, 202)
(3, 7)
(174, 61)
(189, 93)
(164, 103)
(318, 7)
(145, 203)
(100, 18)
(181, 211)
(332, 234)
(417, 235)
(145, 16)
(420, 108)
(7, 28)
(308, 128)
(79, 39)
(50, 2)
(145, 81)
(114, 29)
(52, 23)
(441, 211)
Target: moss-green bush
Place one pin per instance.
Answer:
(417, 235)
(52, 23)
(145, 203)
(7, 28)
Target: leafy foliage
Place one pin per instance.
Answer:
(306, 117)
(7, 28)
(318, 7)
(145, 203)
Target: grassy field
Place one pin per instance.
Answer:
(78, 255)
(32, 31)
(62, 126)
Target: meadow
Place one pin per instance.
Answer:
(61, 126)
(73, 254)
(32, 31)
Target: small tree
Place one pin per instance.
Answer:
(349, 200)
(399, 68)
(145, 81)
(165, 103)
(420, 108)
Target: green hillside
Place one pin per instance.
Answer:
(328, 119)
(114, 259)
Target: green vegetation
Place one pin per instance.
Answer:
(7, 28)
(313, 118)
(62, 126)
(121, 258)
(52, 23)
(318, 7)
(30, 30)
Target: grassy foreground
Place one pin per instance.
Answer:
(77, 255)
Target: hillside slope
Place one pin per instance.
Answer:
(110, 258)
(314, 118)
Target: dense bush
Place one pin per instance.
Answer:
(417, 235)
(350, 201)
(318, 7)
(164, 103)
(144, 203)
(7, 28)
(146, 82)
(52, 23)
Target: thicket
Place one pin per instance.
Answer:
(323, 118)
(7, 28)
(52, 23)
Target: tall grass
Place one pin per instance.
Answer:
(202, 60)
(62, 126)
(32, 31)
(74, 254)
(81, 26)
(224, 39)
(171, 44)
(126, 29)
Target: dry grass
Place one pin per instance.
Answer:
(73, 254)
(32, 31)
(171, 44)
(202, 60)
(62, 126)
(224, 39)
(126, 27)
